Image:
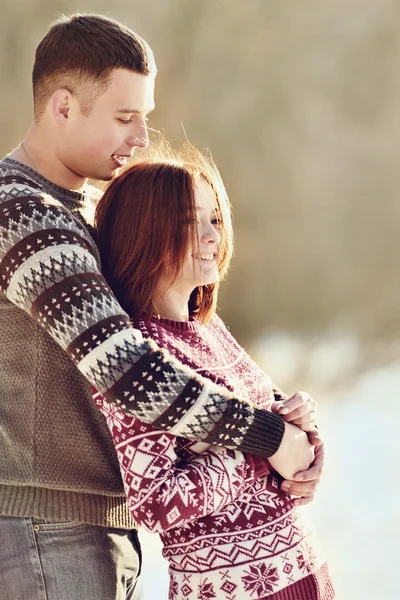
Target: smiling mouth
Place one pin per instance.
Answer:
(119, 159)
(206, 256)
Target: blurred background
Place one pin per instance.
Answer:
(299, 103)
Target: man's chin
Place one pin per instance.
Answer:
(107, 176)
(114, 173)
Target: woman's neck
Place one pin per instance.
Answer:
(173, 304)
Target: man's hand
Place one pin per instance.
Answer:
(299, 410)
(295, 453)
(305, 483)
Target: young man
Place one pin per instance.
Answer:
(65, 527)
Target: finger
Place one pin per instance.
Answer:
(306, 423)
(305, 488)
(314, 437)
(313, 473)
(306, 409)
(303, 501)
(319, 456)
(279, 408)
(297, 400)
(317, 466)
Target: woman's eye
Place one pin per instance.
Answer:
(125, 121)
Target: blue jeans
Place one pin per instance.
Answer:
(42, 560)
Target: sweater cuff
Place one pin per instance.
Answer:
(265, 434)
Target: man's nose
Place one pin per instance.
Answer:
(139, 137)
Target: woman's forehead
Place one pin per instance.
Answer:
(205, 198)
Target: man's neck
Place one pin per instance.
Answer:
(31, 152)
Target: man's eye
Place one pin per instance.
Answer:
(125, 121)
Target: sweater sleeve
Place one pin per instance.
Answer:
(164, 493)
(48, 267)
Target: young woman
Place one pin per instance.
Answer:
(229, 533)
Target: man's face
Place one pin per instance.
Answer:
(96, 146)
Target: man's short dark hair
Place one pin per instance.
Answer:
(79, 52)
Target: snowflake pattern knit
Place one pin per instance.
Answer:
(229, 533)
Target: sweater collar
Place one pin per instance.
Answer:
(49, 187)
(191, 325)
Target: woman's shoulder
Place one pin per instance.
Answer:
(220, 328)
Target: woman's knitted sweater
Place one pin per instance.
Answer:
(228, 531)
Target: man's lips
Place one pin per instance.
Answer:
(120, 159)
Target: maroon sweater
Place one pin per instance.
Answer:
(228, 531)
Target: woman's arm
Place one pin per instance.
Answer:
(163, 494)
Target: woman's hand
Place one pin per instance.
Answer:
(299, 410)
(305, 483)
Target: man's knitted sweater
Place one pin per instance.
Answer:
(228, 531)
(57, 313)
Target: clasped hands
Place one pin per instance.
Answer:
(299, 410)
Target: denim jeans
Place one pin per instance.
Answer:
(42, 560)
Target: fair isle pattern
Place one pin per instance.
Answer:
(258, 541)
(228, 531)
(153, 477)
(49, 267)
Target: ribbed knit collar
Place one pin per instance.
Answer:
(69, 196)
(191, 325)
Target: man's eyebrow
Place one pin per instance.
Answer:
(135, 111)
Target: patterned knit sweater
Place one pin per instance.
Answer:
(57, 313)
(229, 533)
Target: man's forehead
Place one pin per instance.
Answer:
(130, 91)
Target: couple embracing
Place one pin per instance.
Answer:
(115, 316)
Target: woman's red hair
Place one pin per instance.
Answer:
(146, 221)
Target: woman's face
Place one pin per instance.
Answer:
(201, 263)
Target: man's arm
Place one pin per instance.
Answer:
(162, 492)
(48, 268)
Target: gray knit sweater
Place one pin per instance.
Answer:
(56, 456)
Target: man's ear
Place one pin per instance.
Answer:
(61, 103)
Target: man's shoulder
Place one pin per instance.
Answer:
(15, 181)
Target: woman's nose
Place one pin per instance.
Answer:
(211, 235)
